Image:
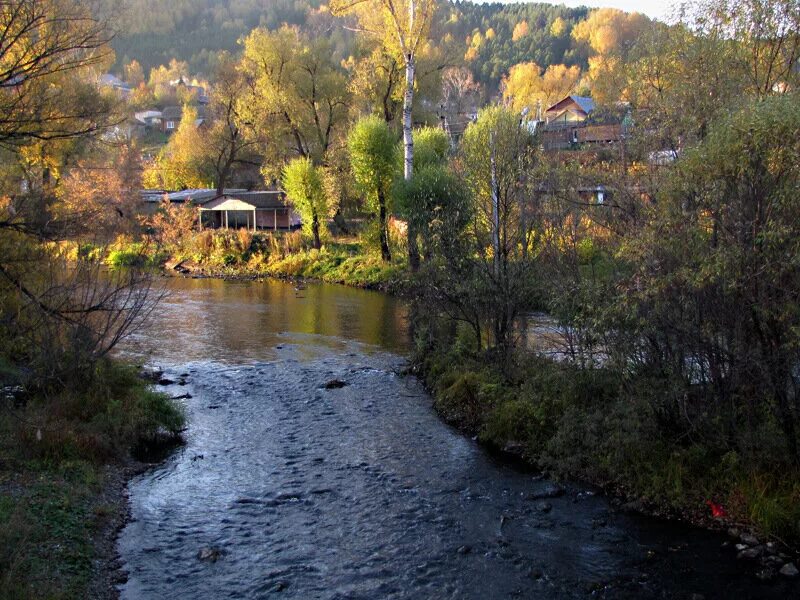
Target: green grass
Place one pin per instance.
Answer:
(53, 459)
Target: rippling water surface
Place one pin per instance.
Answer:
(361, 492)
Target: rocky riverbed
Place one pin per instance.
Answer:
(314, 469)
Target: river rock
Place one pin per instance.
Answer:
(552, 490)
(750, 553)
(766, 574)
(209, 554)
(165, 381)
(749, 539)
(734, 533)
(334, 384)
(151, 374)
(544, 507)
(773, 561)
(789, 570)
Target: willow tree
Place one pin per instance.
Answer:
(305, 187)
(296, 99)
(372, 159)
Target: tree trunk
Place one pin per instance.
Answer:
(413, 247)
(315, 232)
(408, 137)
(408, 156)
(386, 254)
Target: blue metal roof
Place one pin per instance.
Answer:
(586, 103)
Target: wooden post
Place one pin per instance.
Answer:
(275, 220)
(200, 218)
(226, 220)
(254, 220)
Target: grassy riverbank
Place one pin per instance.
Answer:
(599, 427)
(344, 260)
(64, 461)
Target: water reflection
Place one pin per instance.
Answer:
(229, 321)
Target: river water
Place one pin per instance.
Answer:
(361, 492)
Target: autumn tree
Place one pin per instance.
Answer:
(460, 91)
(497, 153)
(403, 25)
(526, 86)
(720, 313)
(57, 317)
(372, 158)
(521, 29)
(297, 98)
(609, 34)
(182, 163)
(46, 49)
(305, 188)
(434, 201)
(226, 144)
(133, 73)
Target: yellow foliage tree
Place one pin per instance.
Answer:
(521, 29)
(558, 27)
(526, 86)
(609, 30)
(180, 164)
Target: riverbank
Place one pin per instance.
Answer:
(64, 466)
(364, 271)
(586, 424)
(242, 254)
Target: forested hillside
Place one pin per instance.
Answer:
(490, 38)
(155, 31)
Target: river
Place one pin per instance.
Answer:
(289, 489)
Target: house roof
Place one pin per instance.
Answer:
(268, 199)
(172, 112)
(197, 196)
(584, 103)
(110, 80)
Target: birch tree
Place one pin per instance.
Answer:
(403, 24)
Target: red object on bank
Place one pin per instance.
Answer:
(716, 510)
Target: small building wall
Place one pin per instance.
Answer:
(265, 218)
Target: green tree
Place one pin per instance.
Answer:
(372, 159)
(305, 187)
(497, 154)
(297, 96)
(714, 296)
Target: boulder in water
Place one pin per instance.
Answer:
(209, 554)
(334, 384)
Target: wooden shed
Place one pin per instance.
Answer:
(266, 210)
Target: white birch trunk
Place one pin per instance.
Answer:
(408, 138)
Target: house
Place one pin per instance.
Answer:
(115, 83)
(171, 118)
(571, 109)
(149, 118)
(234, 209)
(265, 209)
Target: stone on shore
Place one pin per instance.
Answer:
(789, 570)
